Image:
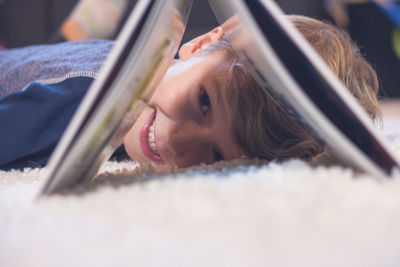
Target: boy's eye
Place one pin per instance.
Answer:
(217, 155)
(204, 100)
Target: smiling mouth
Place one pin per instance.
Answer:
(148, 139)
(151, 139)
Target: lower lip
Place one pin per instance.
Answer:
(144, 139)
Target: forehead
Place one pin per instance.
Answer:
(211, 63)
(195, 69)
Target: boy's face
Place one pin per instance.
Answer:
(187, 120)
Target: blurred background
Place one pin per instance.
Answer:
(374, 27)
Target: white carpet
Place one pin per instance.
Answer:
(288, 214)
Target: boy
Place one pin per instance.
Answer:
(208, 107)
(247, 122)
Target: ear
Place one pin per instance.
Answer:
(198, 44)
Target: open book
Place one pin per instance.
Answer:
(140, 57)
(270, 47)
(282, 60)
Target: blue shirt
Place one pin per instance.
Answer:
(40, 89)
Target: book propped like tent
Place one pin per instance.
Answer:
(282, 60)
(140, 57)
(279, 58)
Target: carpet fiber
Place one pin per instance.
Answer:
(230, 214)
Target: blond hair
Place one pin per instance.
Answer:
(265, 130)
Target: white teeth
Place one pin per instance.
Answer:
(151, 139)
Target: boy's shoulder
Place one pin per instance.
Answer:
(22, 66)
